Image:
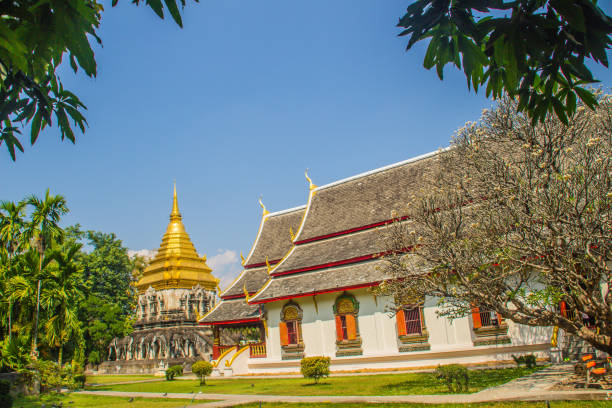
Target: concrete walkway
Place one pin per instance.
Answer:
(530, 388)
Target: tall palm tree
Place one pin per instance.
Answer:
(11, 240)
(11, 226)
(61, 297)
(42, 231)
(21, 289)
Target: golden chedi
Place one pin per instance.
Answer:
(176, 289)
(177, 264)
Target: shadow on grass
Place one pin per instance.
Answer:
(316, 384)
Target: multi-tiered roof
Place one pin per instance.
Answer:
(337, 244)
(272, 242)
(177, 264)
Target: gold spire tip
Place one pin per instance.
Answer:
(265, 212)
(312, 185)
(175, 210)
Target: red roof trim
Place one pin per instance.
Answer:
(318, 292)
(238, 296)
(327, 265)
(257, 265)
(255, 319)
(351, 230)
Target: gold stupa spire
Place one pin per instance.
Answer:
(177, 264)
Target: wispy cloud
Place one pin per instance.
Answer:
(145, 253)
(225, 265)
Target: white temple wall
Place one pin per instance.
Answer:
(450, 341)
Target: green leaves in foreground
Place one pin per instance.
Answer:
(35, 37)
(533, 50)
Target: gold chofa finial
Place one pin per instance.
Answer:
(246, 293)
(242, 257)
(312, 186)
(268, 265)
(265, 212)
(291, 234)
(175, 214)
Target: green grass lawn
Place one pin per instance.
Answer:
(553, 404)
(91, 401)
(381, 384)
(106, 379)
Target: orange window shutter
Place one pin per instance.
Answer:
(284, 335)
(351, 327)
(400, 317)
(339, 328)
(563, 307)
(499, 318)
(476, 317)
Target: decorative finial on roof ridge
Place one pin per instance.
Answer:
(175, 214)
(291, 234)
(265, 212)
(268, 265)
(312, 185)
(246, 292)
(242, 257)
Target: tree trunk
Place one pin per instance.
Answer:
(61, 352)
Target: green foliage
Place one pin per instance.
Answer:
(52, 376)
(174, 371)
(94, 357)
(79, 380)
(202, 369)
(529, 360)
(534, 50)
(85, 298)
(14, 353)
(6, 400)
(454, 376)
(315, 367)
(35, 36)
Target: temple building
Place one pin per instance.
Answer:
(237, 325)
(314, 295)
(177, 288)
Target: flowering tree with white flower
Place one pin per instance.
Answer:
(515, 218)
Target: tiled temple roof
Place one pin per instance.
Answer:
(253, 278)
(348, 277)
(336, 245)
(362, 200)
(273, 238)
(344, 247)
(233, 310)
(273, 241)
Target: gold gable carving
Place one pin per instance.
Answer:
(291, 313)
(345, 306)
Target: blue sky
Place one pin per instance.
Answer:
(235, 105)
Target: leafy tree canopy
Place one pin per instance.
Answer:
(35, 37)
(515, 218)
(535, 50)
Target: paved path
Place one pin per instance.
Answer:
(530, 388)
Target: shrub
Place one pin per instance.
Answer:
(315, 367)
(529, 360)
(6, 400)
(518, 360)
(455, 376)
(79, 380)
(202, 369)
(173, 372)
(94, 358)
